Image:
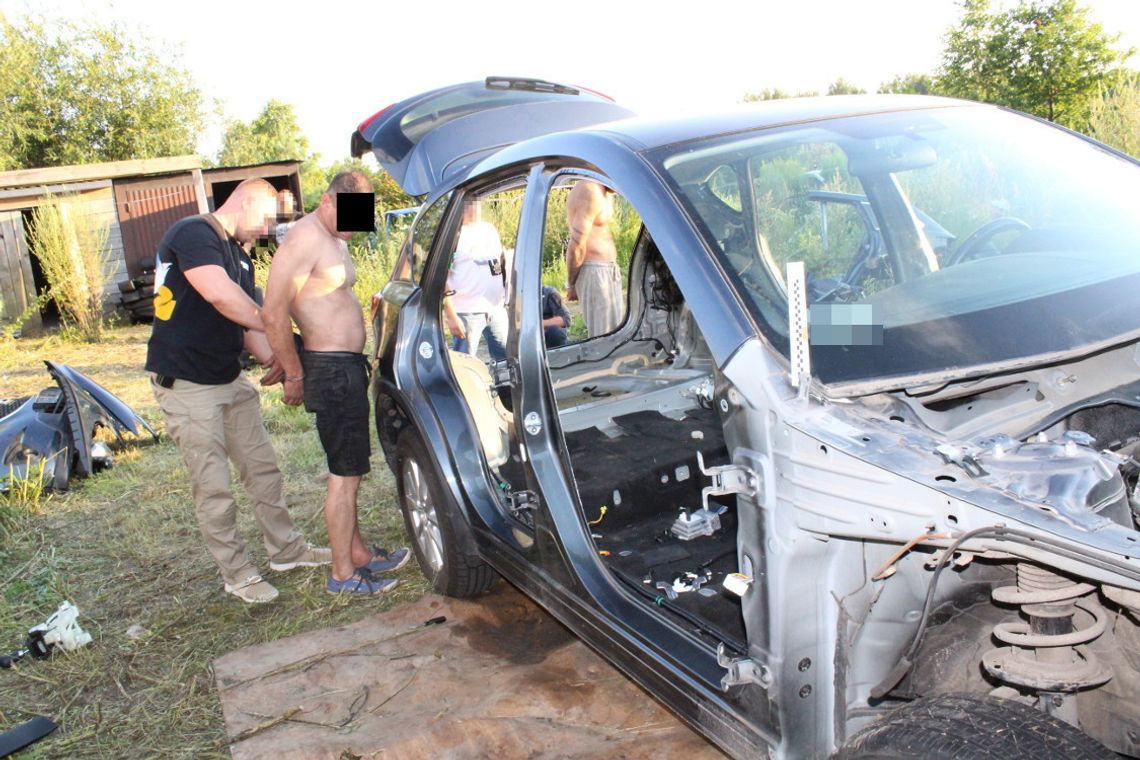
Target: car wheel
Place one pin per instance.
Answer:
(971, 727)
(432, 528)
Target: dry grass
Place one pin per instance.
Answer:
(124, 547)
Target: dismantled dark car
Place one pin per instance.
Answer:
(53, 436)
(855, 474)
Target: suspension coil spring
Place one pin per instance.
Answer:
(1047, 653)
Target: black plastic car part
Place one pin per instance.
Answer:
(52, 435)
(28, 732)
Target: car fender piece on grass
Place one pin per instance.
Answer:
(51, 436)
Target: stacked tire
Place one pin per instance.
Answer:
(136, 295)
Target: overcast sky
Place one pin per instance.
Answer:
(337, 63)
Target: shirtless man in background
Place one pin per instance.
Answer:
(591, 258)
(310, 282)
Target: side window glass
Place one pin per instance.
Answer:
(587, 245)
(413, 255)
(725, 187)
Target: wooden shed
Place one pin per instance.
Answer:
(139, 199)
(220, 182)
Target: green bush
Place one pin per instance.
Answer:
(1114, 114)
(374, 256)
(504, 210)
(554, 274)
(71, 245)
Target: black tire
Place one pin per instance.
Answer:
(971, 727)
(431, 526)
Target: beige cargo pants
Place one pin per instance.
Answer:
(213, 425)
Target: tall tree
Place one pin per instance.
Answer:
(76, 94)
(1043, 57)
(273, 135)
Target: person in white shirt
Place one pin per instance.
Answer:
(474, 305)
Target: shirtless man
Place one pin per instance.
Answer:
(310, 282)
(591, 258)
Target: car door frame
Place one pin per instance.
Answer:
(570, 581)
(670, 662)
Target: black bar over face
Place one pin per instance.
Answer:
(356, 212)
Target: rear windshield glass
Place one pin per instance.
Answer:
(447, 106)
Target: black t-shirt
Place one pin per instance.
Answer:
(191, 340)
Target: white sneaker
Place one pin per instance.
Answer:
(253, 590)
(313, 556)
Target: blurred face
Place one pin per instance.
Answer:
(286, 207)
(259, 213)
(472, 212)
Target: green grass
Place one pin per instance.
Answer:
(124, 547)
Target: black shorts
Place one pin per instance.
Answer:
(336, 390)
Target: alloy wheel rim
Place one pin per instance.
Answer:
(421, 509)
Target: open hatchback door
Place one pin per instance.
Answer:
(425, 139)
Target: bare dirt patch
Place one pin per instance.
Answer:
(499, 678)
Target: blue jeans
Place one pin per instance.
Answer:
(490, 324)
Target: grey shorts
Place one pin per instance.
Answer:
(599, 290)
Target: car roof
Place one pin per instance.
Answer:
(643, 134)
(429, 140)
(656, 132)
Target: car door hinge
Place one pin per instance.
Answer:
(519, 501)
(728, 479)
(742, 671)
(505, 374)
(521, 505)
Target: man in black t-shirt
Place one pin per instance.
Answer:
(204, 315)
